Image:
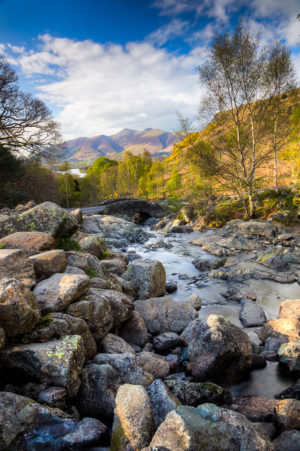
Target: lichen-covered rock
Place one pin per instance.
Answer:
(162, 400)
(99, 385)
(217, 349)
(57, 325)
(148, 276)
(134, 330)
(95, 309)
(251, 314)
(289, 355)
(94, 245)
(127, 367)
(165, 314)
(30, 242)
(208, 428)
(195, 393)
(290, 309)
(48, 263)
(19, 309)
(56, 362)
(46, 217)
(60, 290)
(112, 344)
(287, 414)
(154, 364)
(288, 328)
(133, 419)
(15, 264)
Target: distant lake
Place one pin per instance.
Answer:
(74, 171)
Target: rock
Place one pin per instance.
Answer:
(252, 314)
(46, 217)
(289, 355)
(290, 392)
(96, 396)
(208, 263)
(59, 291)
(20, 415)
(195, 393)
(121, 305)
(53, 397)
(2, 338)
(74, 270)
(16, 265)
(181, 229)
(288, 328)
(115, 266)
(134, 330)
(278, 258)
(148, 276)
(133, 419)
(57, 325)
(165, 314)
(194, 301)
(162, 400)
(95, 309)
(290, 309)
(207, 428)
(217, 349)
(94, 245)
(171, 287)
(153, 364)
(19, 309)
(48, 263)
(255, 408)
(165, 341)
(126, 365)
(127, 286)
(56, 362)
(287, 441)
(258, 361)
(77, 214)
(112, 344)
(262, 229)
(78, 260)
(287, 414)
(30, 242)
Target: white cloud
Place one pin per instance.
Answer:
(104, 88)
(169, 31)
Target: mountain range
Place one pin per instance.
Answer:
(156, 142)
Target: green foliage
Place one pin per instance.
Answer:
(68, 244)
(91, 273)
(2, 246)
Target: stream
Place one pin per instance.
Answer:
(177, 261)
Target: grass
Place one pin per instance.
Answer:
(91, 273)
(2, 246)
(67, 244)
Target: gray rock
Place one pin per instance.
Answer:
(165, 341)
(121, 305)
(153, 364)
(53, 397)
(287, 441)
(94, 245)
(19, 309)
(60, 290)
(127, 286)
(195, 393)
(193, 300)
(30, 242)
(48, 263)
(15, 264)
(112, 344)
(252, 314)
(255, 408)
(287, 414)
(134, 330)
(115, 266)
(56, 362)
(74, 270)
(162, 400)
(165, 314)
(148, 276)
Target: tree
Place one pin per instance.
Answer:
(26, 125)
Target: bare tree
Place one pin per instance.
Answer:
(26, 125)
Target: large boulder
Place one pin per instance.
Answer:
(60, 290)
(290, 309)
(133, 419)
(287, 414)
(255, 408)
(289, 355)
(30, 242)
(148, 276)
(154, 364)
(287, 441)
(116, 266)
(217, 349)
(19, 309)
(286, 328)
(134, 330)
(195, 393)
(165, 314)
(252, 314)
(48, 263)
(56, 362)
(261, 229)
(121, 305)
(112, 344)
(96, 396)
(46, 217)
(15, 264)
(162, 400)
(94, 245)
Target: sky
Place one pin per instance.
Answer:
(105, 65)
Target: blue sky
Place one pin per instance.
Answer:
(105, 65)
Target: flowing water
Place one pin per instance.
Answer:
(179, 269)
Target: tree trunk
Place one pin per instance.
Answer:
(275, 154)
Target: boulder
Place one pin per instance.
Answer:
(48, 263)
(195, 393)
(112, 344)
(290, 392)
(94, 245)
(133, 419)
(162, 400)
(56, 325)
(78, 260)
(255, 408)
(134, 330)
(193, 300)
(261, 229)
(30, 242)
(95, 309)
(126, 365)
(289, 355)
(289, 328)
(15, 264)
(252, 314)
(165, 341)
(290, 309)
(115, 266)
(19, 309)
(208, 428)
(77, 214)
(25, 424)
(60, 290)
(217, 349)
(287, 414)
(165, 314)
(121, 305)
(208, 263)
(153, 364)
(46, 217)
(148, 276)
(96, 396)
(53, 397)
(287, 441)
(128, 287)
(56, 362)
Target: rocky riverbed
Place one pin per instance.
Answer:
(158, 337)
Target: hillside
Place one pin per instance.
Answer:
(153, 140)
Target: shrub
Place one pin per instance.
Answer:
(67, 244)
